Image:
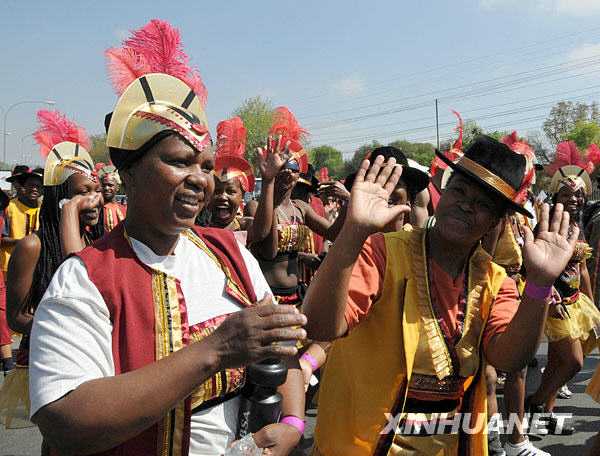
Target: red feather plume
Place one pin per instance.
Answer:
(154, 48)
(567, 153)
(518, 145)
(455, 151)
(56, 128)
(286, 125)
(231, 137)
(324, 174)
(593, 154)
(459, 142)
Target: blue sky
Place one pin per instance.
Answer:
(352, 71)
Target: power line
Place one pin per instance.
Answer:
(435, 69)
(570, 65)
(483, 108)
(455, 96)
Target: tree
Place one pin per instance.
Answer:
(327, 156)
(584, 133)
(99, 151)
(257, 115)
(565, 115)
(542, 154)
(422, 153)
(352, 165)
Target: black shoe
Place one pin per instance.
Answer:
(553, 426)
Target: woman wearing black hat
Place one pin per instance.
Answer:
(419, 310)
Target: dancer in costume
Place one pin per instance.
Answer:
(6, 360)
(21, 218)
(593, 390)
(573, 323)
(233, 178)
(114, 213)
(414, 312)
(157, 320)
(69, 220)
(282, 226)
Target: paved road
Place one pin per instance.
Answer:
(586, 418)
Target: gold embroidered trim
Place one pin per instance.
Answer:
(168, 339)
(440, 356)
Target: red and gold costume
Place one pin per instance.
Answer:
(148, 305)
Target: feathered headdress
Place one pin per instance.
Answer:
(229, 157)
(522, 147)
(154, 48)
(56, 128)
(286, 126)
(324, 174)
(158, 89)
(571, 168)
(454, 153)
(64, 145)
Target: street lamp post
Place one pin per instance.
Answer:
(25, 157)
(48, 102)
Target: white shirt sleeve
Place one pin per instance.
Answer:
(71, 338)
(261, 287)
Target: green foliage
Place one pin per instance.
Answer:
(422, 153)
(99, 151)
(352, 165)
(584, 133)
(564, 117)
(327, 156)
(257, 114)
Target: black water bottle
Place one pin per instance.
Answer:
(260, 403)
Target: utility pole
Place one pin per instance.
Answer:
(437, 124)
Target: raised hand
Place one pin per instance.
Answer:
(368, 209)
(260, 332)
(271, 159)
(334, 189)
(546, 256)
(80, 203)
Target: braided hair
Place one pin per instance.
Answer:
(49, 234)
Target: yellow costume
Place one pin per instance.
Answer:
(583, 316)
(21, 220)
(398, 356)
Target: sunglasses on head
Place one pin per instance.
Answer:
(292, 165)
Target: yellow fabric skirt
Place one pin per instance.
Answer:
(593, 388)
(14, 399)
(583, 318)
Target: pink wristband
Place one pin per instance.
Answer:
(536, 292)
(311, 360)
(295, 422)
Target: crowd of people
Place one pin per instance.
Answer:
(403, 296)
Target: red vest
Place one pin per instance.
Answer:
(137, 297)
